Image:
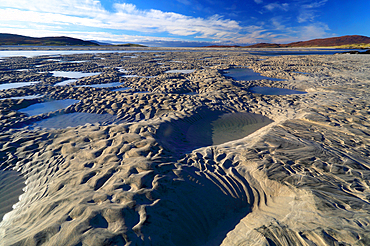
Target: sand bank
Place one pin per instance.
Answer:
(195, 160)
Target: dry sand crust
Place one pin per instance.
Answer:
(302, 179)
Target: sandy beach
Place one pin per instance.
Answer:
(190, 157)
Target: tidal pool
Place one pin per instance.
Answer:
(246, 74)
(301, 72)
(207, 127)
(65, 82)
(73, 120)
(122, 89)
(16, 85)
(24, 97)
(191, 93)
(75, 61)
(181, 71)
(11, 187)
(122, 70)
(107, 85)
(46, 107)
(137, 76)
(130, 57)
(72, 75)
(274, 91)
(130, 76)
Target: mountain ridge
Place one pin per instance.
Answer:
(14, 39)
(323, 42)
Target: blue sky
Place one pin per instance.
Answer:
(186, 22)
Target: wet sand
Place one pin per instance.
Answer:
(196, 158)
(11, 185)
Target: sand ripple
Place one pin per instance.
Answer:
(197, 159)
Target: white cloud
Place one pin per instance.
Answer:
(277, 24)
(315, 4)
(125, 7)
(90, 13)
(312, 31)
(45, 18)
(90, 8)
(101, 36)
(74, 17)
(308, 11)
(304, 33)
(306, 15)
(274, 6)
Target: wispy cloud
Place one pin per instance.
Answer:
(277, 6)
(173, 23)
(90, 13)
(125, 22)
(186, 2)
(316, 30)
(277, 24)
(302, 33)
(308, 11)
(88, 8)
(315, 4)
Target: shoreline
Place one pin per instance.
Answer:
(141, 180)
(118, 48)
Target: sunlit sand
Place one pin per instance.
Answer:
(188, 158)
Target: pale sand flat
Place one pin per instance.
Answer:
(160, 176)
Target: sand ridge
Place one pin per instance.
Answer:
(301, 180)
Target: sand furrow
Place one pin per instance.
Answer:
(188, 158)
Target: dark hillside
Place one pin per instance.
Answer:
(12, 39)
(324, 42)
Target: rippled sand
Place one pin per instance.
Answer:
(195, 160)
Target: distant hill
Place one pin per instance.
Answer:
(100, 43)
(130, 45)
(222, 46)
(264, 45)
(13, 39)
(351, 41)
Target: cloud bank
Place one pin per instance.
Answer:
(124, 22)
(127, 17)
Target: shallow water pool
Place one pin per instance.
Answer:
(246, 74)
(122, 89)
(73, 120)
(207, 128)
(65, 82)
(24, 97)
(181, 71)
(46, 107)
(301, 72)
(16, 85)
(107, 85)
(274, 91)
(72, 75)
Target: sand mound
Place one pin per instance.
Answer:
(112, 187)
(168, 173)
